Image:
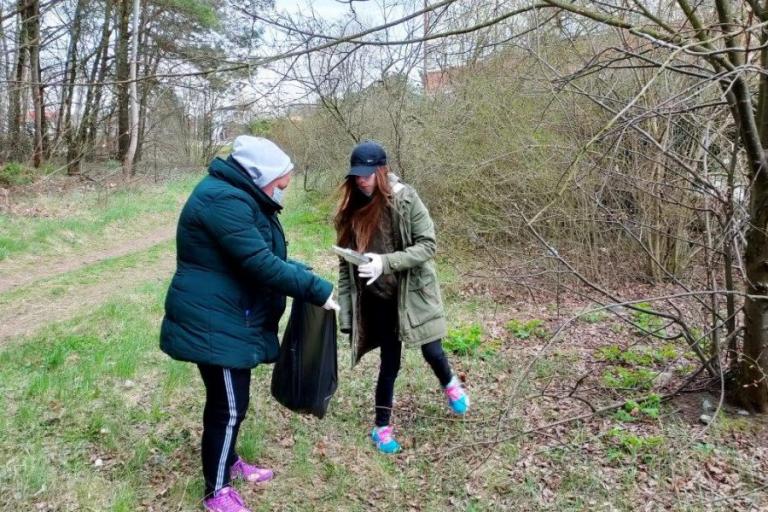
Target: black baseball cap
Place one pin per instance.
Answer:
(365, 158)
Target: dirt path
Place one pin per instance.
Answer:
(14, 274)
(26, 316)
(38, 307)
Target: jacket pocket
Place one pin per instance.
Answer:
(253, 312)
(422, 301)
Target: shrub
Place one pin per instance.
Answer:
(594, 317)
(467, 341)
(524, 330)
(15, 174)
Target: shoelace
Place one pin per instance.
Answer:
(454, 392)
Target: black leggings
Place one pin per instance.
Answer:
(381, 326)
(390, 366)
(226, 402)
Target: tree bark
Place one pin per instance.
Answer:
(6, 75)
(64, 121)
(128, 169)
(33, 32)
(16, 108)
(752, 389)
(123, 77)
(82, 141)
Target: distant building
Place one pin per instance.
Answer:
(51, 116)
(439, 80)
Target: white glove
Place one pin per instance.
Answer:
(372, 269)
(331, 304)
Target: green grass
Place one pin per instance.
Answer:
(629, 378)
(75, 401)
(97, 388)
(523, 330)
(634, 411)
(76, 220)
(13, 174)
(52, 287)
(643, 356)
(646, 322)
(623, 442)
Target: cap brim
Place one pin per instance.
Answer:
(362, 170)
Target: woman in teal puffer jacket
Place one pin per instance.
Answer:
(227, 296)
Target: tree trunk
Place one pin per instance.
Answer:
(81, 142)
(16, 107)
(6, 75)
(103, 68)
(752, 389)
(64, 120)
(728, 256)
(128, 169)
(123, 76)
(151, 62)
(754, 363)
(33, 17)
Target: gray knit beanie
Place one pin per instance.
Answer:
(264, 161)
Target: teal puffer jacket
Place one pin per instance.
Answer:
(228, 293)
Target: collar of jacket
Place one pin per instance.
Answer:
(230, 171)
(398, 189)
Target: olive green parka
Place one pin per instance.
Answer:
(421, 316)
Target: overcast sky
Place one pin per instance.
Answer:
(370, 12)
(330, 9)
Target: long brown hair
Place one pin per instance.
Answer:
(357, 216)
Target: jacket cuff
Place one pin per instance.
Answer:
(323, 290)
(390, 263)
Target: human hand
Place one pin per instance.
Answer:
(371, 270)
(331, 304)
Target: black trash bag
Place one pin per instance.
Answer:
(305, 375)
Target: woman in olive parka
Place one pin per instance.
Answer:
(227, 296)
(395, 298)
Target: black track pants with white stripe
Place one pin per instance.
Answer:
(226, 402)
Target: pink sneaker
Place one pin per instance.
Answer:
(249, 472)
(226, 500)
(458, 400)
